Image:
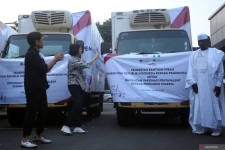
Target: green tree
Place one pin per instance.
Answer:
(105, 30)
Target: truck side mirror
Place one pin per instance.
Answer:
(105, 48)
(81, 43)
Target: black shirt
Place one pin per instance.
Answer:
(35, 71)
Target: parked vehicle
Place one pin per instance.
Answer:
(107, 96)
(59, 29)
(135, 33)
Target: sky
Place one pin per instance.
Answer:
(200, 10)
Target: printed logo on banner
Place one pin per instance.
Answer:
(201, 147)
(141, 60)
(156, 56)
(156, 59)
(152, 64)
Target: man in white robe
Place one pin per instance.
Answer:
(205, 81)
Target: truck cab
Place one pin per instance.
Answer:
(149, 31)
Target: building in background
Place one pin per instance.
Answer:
(217, 28)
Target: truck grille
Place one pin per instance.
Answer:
(52, 19)
(143, 17)
(57, 18)
(149, 17)
(157, 17)
(41, 18)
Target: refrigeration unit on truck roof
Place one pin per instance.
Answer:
(46, 21)
(52, 20)
(149, 17)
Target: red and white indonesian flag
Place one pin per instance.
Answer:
(180, 18)
(84, 28)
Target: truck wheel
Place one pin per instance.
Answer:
(101, 102)
(15, 116)
(89, 113)
(110, 100)
(97, 111)
(124, 116)
(184, 117)
(121, 117)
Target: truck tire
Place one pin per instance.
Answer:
(15, 116)
(125, 116)
(101, 101)
(110, 100)
(121, 117)
(89, 113)
(97, 111)
(184, 118)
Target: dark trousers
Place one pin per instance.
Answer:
(75, 116)
(36, 102)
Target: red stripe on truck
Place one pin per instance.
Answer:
(108, 56)
(182, 18)
(84, 21)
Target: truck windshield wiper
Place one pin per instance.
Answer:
(148, 53)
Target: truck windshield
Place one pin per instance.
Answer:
(18, 46)
(150, 42)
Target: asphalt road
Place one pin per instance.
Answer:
(148, 132)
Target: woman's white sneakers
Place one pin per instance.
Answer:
(28, 144)
(66, 130)
(79, 130)
(42, 140)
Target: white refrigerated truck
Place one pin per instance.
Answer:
(150, 31)
(60, 28)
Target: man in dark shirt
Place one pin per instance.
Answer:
(35, 83)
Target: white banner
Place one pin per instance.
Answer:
(92, 43)
(147, 78)
(12, 81)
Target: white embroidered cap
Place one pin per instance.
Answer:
(202, 36)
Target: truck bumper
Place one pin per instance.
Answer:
(184, 104)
